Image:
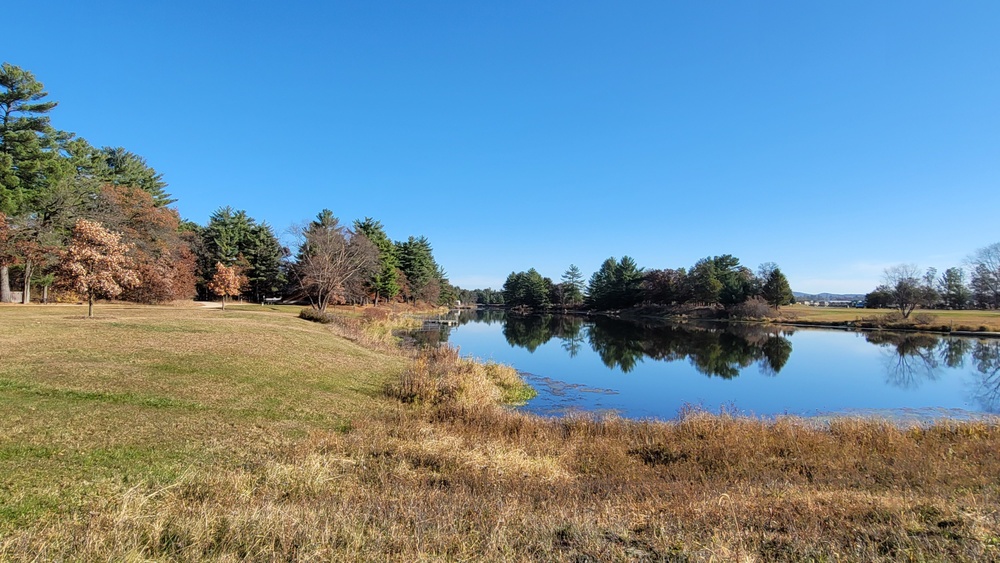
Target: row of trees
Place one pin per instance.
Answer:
(905, 288)
(71, 213)
(619, 284)
(338, 264)
(51, 180)
(530, 289)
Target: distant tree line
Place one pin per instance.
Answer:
(905, 288)
(96, 223)
(621, 283)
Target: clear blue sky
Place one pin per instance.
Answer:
(833, 138)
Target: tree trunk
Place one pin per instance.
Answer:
(4, 284)
(223, 302)
(90, 305)
(45, 295)
(26, 294)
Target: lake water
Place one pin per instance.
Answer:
(656, 370)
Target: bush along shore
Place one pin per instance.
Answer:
(322, 449)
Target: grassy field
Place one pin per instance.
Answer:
(966, 320)
(184, 433)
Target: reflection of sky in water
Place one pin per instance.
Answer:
(828, 371)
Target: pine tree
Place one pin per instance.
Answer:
(384, 283)
(123, 168)
(26, 139)
(416, 261)
(776, 290)
(573, 285)
(28, 158)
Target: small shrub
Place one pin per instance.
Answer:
(316, 316)
(924, 318)
(753, 308)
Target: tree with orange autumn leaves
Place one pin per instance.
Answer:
(227, 281)
(96, 263)
(163, 258)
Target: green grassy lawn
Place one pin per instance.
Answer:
(90, 407)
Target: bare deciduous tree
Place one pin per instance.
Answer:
(332, 257)
(906, 289)
(985, 265)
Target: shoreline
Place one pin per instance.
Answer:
(640, 314)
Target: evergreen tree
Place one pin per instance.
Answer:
(27, 141)
(448, 294)
(384, 283)
(953, 290)
(776, 290)
(572, 286)
(416, 261)
(28, 149)
(234, 238)
(226, 235)
(264, 254)
(738, 282)
(120, 167)
(600, 290)
(629, 275)
(536, 290)
(527, 289)
(514, 289)
(703, 285)
(616, 285)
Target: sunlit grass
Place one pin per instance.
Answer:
(191, 434)
(957, 320)
(167, 388)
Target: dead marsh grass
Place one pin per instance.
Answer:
(305, 458)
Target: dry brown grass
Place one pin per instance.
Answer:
(450, 475)
(439, 376)
(926, 319)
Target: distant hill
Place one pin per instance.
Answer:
(799, 296)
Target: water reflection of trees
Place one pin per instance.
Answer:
(910, 359)
(531, 331)
(726, 350)
(913, 358)
(487, 316)
(986, 356)
(715, 351)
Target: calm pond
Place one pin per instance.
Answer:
(657, 370)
